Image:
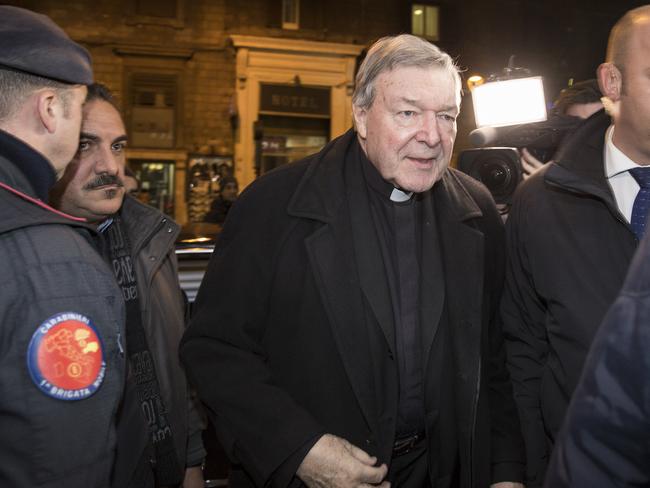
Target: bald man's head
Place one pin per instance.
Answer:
(625, 84)
(619, 38)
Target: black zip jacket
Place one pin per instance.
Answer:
(57, 404)
(569, 249)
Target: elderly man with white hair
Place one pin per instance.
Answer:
(356, 340)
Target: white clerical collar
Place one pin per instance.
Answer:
(615, 161)
(400, 196)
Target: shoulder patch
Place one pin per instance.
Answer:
(65, 357)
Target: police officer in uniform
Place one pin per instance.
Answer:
(61, 312)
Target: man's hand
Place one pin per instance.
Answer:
(529, 163)
(335, 463)
(507, 484)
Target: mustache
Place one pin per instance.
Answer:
(103, 180)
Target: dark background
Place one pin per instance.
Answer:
(558, 39)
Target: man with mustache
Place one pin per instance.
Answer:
(356, 340)
(61, 313)
(165, 449)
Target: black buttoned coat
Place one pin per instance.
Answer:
(292, 335)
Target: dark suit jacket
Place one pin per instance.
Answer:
(282, 349)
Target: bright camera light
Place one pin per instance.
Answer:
(509, 102)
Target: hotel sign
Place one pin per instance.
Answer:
(295, 100)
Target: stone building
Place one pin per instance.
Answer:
(213, 86)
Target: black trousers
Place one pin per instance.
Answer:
(411, 470)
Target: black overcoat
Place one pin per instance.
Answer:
(282, 347)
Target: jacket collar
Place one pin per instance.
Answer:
(579, 163)
(33, 173)
(143, 222)
(315, 198)
(452, 201)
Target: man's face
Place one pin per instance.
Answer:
(67, 135)
(632, 119)
(92, 185)
(229, 192)
(409, 130)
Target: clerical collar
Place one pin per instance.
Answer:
(377, 183)
(400, 196)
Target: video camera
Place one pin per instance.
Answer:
(510, 113)
(498, 166)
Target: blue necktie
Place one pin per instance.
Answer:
(641, 202)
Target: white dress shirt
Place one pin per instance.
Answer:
(617, 172)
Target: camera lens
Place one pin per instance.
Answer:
(498, 168)
(496, 175)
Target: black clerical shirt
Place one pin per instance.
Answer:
(397, 226)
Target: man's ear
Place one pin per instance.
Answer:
(49, 108)
(360, 117)
(610, 81)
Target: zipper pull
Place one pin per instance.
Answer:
(119, 344)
